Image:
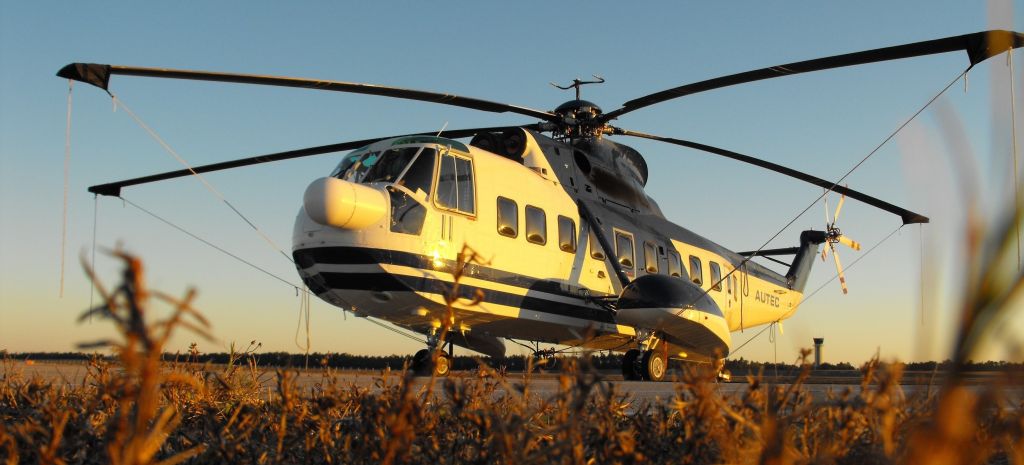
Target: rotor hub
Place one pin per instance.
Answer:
(579, 109)
(834, 233)
(580, 118)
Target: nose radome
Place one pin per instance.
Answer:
(343, 204)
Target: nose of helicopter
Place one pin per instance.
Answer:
(343, 204)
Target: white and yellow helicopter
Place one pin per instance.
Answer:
(577, 253)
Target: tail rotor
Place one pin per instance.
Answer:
(835, 236)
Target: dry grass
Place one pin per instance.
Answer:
(141, 411)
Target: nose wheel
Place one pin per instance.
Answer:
(545, 360)
(424, 364)
(434, 360)
(646, 363)
(654, 365)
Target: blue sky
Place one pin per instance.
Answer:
(821, 123)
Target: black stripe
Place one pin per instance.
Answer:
(306, 258)
(381, 282)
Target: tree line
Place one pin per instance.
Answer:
(599, 360)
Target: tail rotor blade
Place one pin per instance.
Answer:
(839, 208)
(839, 269)
(828, 221)
(849, 242)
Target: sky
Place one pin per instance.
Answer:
(903, 294)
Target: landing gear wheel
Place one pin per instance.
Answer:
(423, 364)
(629, 365)
(543, 363)
(443, 365)
(654, 366)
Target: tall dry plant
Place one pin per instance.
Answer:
(141, 423)
(969, 423)
(136, 410)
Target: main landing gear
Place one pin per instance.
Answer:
(545, 360)
(424, 362)
(648, 363)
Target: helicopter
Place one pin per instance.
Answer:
(577, 254)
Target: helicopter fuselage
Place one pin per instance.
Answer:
(546, 239)
(386, 234)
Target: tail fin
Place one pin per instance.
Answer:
(804, 259)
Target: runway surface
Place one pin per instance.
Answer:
(543, 385)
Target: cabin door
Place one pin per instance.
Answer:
(456, 200)
(453, 233)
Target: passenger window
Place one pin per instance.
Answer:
(624, 249)
(455, 185)
(566, 234)
(696, 274)
(508, 217)
(595, 248)
(675, 264)
(716, 276)
(650, 257)
(536, 225)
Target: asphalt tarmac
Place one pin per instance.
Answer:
(542, 385)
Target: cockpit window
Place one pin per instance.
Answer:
(408, 211)
(455, 189)
(391, 165)
(353, 167)
(420, 174)
(412, 167)
(346, 163)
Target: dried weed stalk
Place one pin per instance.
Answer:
(138, 410)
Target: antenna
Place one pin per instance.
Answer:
(576, 83)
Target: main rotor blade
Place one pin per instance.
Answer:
(907, 216)
(114, 188)
(99, 76)
(979, 47)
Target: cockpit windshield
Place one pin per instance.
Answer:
(354, 166)
(411, 167)
(391, 165)
(420, 174)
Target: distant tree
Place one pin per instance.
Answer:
(602, 360)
